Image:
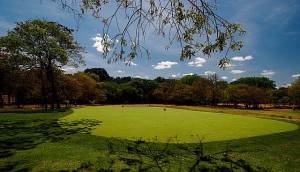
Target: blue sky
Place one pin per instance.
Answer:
(271, 45)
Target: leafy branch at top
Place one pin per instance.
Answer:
(194, 25)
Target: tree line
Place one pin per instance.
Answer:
(95, 86)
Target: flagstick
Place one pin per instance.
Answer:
(165, 116)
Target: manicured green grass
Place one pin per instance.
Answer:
(174, 125)
(36, 142)
(286, 114)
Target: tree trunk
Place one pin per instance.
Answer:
(1, 101)
(8, 98)
(44, 92)
(54, 97)
(235, 105)
(18, 99)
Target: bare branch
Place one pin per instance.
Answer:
(193, 24)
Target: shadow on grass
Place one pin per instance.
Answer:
(17, 135)
(136, 155)
(146, 156)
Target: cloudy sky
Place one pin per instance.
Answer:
(271, 45)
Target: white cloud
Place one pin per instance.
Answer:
(230, 65)
(165, 65)
(119, 71)
(224, 77)
(175, 75)
(209, 72)
(234, 79)
(237, 71)
(68, 69)
(286, 85)
(296, 75)
(267, 73)
(98, 42)
(198, 62)
(188, 74)
(130, 63)
(248, 57)
(240, 58)
(142, 77)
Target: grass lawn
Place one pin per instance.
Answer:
(38, 142)
(161, 124)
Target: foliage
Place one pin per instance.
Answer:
(280, 96)
(260, 88)
(217, 88)
(85, 88)
(70, 88)
(144, 88)
(189, 79)
(111, 91)
(43, 45)
(13, 80)
(294, 92)
(100, 72)
(194, 25)
(239, 93)
(200, 90)
(122, 80)
(261, 82)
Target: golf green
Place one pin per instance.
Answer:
(159, 124)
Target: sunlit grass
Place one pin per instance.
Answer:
(35, 142)
(174, 125)
(286, 114)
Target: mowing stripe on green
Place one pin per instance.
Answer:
(173, 125)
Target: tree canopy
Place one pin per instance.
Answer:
(29, 87)
(193, 25)
(100, 72)
(262, 82)
(44, 45)
(294, 92)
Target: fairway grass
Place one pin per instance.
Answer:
(159, 124)
(36, 141)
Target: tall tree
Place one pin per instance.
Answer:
(201, 90)
(217, 88)
(165, 90)
(259, 87)
(45, 45)
(111, 91)
(100, 72)
(70, 87)
(251, 96)
(4, 74)
(280, 96)
(144, 87)
(87, 86)
(12, 81)
(174, 92)
(189, 79)
(294, 92)
(261, 82)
